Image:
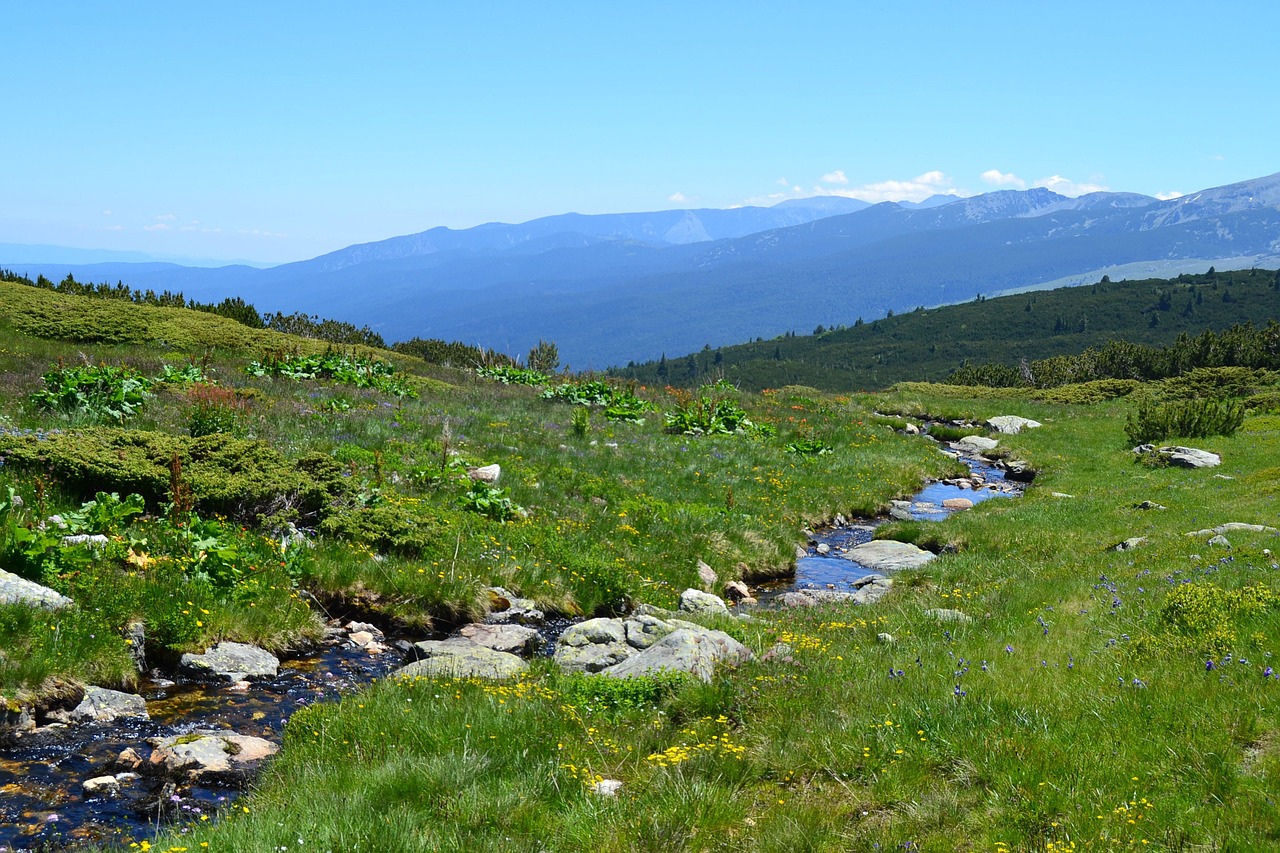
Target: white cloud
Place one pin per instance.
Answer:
(782, 182)
(106, 213)
(1003, 179)
(916, 189)
(115, 227)
(1217, 157)
(1169, 195)
(836, 177)
(677, 197)
(166, 217)
(1070, 188)
(159, 226)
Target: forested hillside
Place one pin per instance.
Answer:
(932, 343)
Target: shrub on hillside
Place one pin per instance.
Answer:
(237, 477)
(1183, 418)
(96, 392)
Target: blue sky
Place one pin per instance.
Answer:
(278, 131)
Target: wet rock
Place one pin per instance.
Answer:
(944, 614)
(823, 549)
(100, 705)
(868, 590)
(16, 590)
(1017, 470)
(911, 429)
(736, 591)
(512, 639)
(696, 652)
(697, 601)
(801, 552)
(593, 645)
(101, 786)
(957, 503)
(1130, 543)
(1011, 424)
(975, 444)
(129, 759)
(208, 753)
(358, 627)
(458, 657)
(361, 638)
(886, 555)
(230, 661)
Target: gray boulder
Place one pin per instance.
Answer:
(16, 590)
(886, 555)
(508, 609)
(230, 661)
(1130, 543)
(706, 575)
(1011, 424)
(458, 657)
(695, 652)
(101, 705)
(512, 639)
(975, 443)
(485, 473)
(697, 601)
(593, 645)
(868, 590)
(643, 631)
(1183, 457)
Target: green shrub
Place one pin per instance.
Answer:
(1217, 383)
(343, 368)
(490, 501)
(1088, 393)
(98, 392)
(509, 375)
(581, 421)
(1183, 418)
(242, 478)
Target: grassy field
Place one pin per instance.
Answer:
(1096, 699)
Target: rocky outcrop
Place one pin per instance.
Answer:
(1182, 457)
(509, 609)
(1011, 424)
(17, 590)
(1232, 527)
(886, 555)
(458, 657)
(695, 651)
(643, 644)
(229, 661)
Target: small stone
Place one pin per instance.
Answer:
(102, 785)
(975, 443)
(607, 787)
(823, 548)
(736, 591)
(129, 758)
(885, 639)
(1130, 543)
(1220, 541)
(361, 638)
(1149, 505)
(957, 503)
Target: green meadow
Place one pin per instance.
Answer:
(1093, 699)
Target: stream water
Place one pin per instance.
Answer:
(828, 568)
(44, 806)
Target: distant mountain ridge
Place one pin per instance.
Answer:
(618, 287)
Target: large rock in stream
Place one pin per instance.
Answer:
(230, 661)
(209, 753)
(101, 705)
(694, 651)
(886, 555)
(459, 657)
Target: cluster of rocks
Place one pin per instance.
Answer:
(1182, 457)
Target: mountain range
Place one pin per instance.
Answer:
(617, 287)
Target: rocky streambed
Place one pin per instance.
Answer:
(110, 766)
